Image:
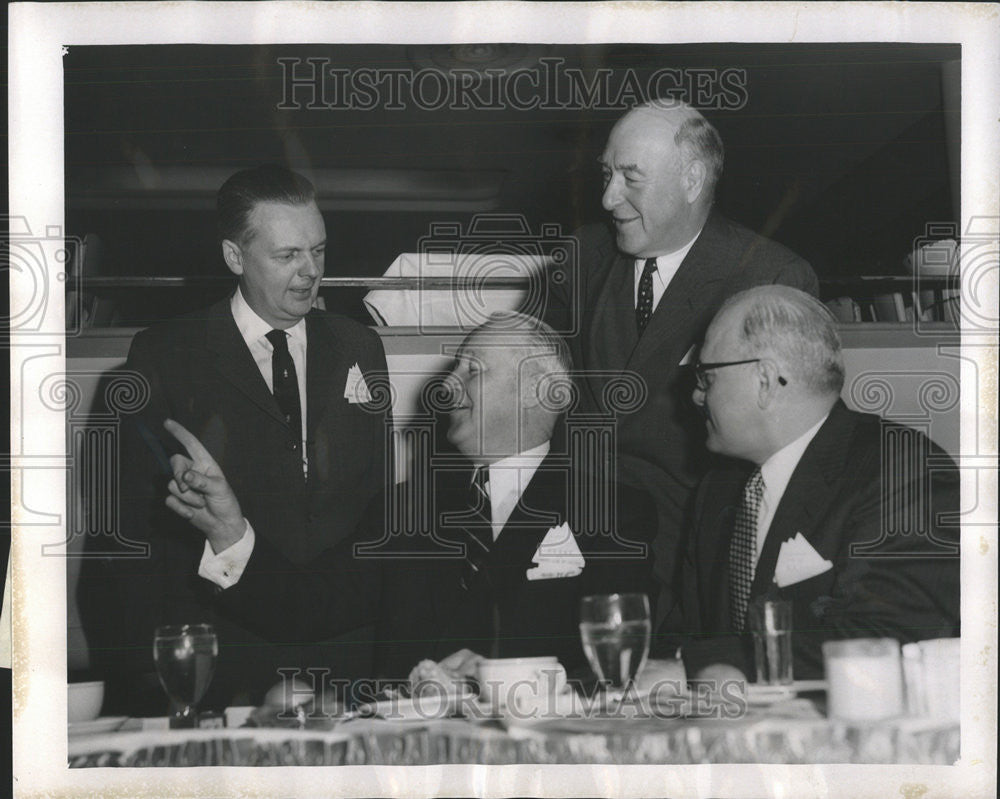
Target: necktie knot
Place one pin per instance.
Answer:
(754, 490)
(649, 267)
(278, 339)
(480, 493)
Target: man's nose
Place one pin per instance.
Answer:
(612, 194)
(311, 265)
(452, 389)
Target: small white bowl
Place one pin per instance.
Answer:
(85, 699)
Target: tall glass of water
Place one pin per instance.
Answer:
(614, 629)
(185, 661)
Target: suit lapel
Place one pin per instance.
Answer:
(234, 362)
(698, 285)
(449, 496)
(541, 507)
(324, 370)
(612, 333)
(712, 546)
(807, 495)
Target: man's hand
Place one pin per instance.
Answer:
(447, 676)
(199, 492)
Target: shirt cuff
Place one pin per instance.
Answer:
(225, 568)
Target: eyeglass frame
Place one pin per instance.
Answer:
(701, 368)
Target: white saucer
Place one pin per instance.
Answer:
(104, 724)
(770, 694)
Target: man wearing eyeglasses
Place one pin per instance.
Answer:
(646, 289)
(841, 513)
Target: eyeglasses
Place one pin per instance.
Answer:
(701, 371)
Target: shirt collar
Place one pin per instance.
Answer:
(777, 470)
(253, 328)
(516, 471)
(671, 259)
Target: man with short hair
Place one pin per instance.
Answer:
(646, 290)
(286, 399)
(843, 514)
(509, 547)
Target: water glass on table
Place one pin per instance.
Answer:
(614, 629)
(771, 624)
(185, 661)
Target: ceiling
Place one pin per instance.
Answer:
(840, 151)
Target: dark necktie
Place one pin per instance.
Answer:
(743, 550)
(479, 528)
(644, 302)
(286, 383)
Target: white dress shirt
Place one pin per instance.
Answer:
(666, 267)
(508, 478)
(254, 331)
(777, 471)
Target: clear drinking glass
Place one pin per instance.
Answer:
(771, 623)
(185, 661)
(615, 630)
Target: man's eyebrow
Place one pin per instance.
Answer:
(633, 167)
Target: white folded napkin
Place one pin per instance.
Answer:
(356, 389)
(557, 556)
(798, 561)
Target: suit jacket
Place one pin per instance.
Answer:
(201, 373)
(416, 596)
(858, 477)
(661, 439)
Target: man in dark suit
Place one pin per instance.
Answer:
(641, 299)
(841, 513)
(286, 399)
(511, 541)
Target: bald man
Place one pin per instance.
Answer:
(646, 289)
(506, 551)
(848, 517)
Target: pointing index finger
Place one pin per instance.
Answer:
(187, 439)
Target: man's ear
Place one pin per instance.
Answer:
(530, 379)
(695, 175)
(233, 256)
(769, 381)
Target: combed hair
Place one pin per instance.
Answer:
(798, 330)
(699, 136)
(246, 189)
(695, 135)
(537, 334)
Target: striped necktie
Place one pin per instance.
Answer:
(743, 550)
(479, 529)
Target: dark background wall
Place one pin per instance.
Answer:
(842, 152)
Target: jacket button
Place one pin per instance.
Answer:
(293, 445)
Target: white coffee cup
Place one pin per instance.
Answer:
(85, 700)
(520, 684)
(864, 679)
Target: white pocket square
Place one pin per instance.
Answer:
(798, 561)
(688, 357)
(356, 389)
(557, 556)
